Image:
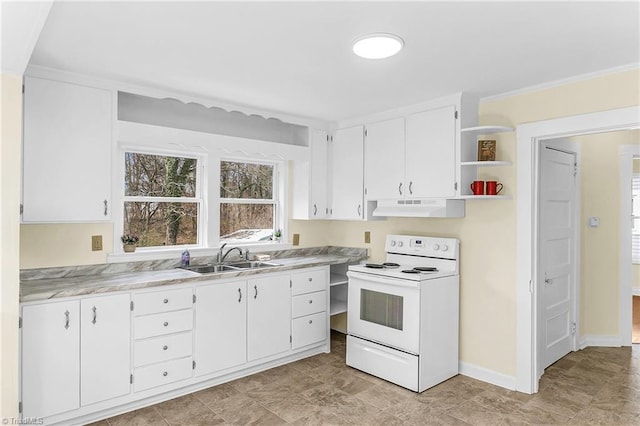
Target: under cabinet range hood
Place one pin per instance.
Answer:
(420, 208)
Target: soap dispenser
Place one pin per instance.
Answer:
(186, 258)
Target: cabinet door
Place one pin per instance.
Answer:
(268, 317)
(431, 153)
(347, 158)
(50, 358)
(310, 183)
(318, 186)
(105, 347)
(221, 326)
(384, 160)
(67, 152)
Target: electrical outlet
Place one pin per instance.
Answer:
(96, 242)
(367, 237)
(296, 239)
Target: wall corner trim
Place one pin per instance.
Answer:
(486, 375)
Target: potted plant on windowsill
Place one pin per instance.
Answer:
(129, 242)
(277, 235)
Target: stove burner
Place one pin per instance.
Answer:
(391, 265)
(374, 266)
(410, 271)
(426, 269)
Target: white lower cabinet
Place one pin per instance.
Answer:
(268, 316)
(87, 358)
(105, 341)
(50, 358)
(74, 353)
(221, 326)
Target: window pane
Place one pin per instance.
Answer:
(159, 176)
(246, 222)
(162, 224)
(246, 180)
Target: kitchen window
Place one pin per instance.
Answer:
(249, 206)
(162, 199)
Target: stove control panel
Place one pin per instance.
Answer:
(446, 248)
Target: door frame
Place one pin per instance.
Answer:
(569, 147)
(529, 137)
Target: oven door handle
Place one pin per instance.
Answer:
(383, 280)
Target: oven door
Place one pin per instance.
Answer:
(384, 310)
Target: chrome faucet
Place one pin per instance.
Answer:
(222, 257)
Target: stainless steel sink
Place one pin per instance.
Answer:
(253, 265)
(209, 269)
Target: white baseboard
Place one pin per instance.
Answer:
(599, 340)
(486, 375)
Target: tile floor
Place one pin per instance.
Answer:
(596, 386)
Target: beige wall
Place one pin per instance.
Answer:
(600, 197)
(47, 245)
(488, 232)
(10, 160)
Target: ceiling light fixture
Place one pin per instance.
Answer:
(377, 46)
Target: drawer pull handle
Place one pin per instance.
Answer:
(165, 301)
(66, 320)
(166, 323)
(310, 321)
(165, 374)
(255, 287)
(95, 315)
(239, 295)
(310, 301)
(165, 347)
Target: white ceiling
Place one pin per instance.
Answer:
(296, 57)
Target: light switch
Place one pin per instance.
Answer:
(296, 239)
(96, 242)
(594, 222)
(367, 237)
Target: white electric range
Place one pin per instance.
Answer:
(402, 321)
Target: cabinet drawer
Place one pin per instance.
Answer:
(162, 301)
(164, 323)
(161, 374)
(162, 348)
(308, 282)
(307, 304)
(308, 330)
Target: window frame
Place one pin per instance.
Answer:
(277, 191)
(200, 197)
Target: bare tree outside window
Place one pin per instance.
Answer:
(247, 202)
(161, 204)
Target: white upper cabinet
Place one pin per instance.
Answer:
(310, 187)
(384, 158)
(67, 152)
(347, 159)
(431, 153)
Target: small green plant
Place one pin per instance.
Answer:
(277, 233)
(128, 239)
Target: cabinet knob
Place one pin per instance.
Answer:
(165, 301)
(166, 323)
(165, 374)
(310, 301)
(165, 347)
(310, 279)
(310, 321)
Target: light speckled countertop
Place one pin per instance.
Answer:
(53, 283)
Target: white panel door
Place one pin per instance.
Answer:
(50, 358)
(431, 153)
(319, 172)
(557, 253)
(221, 326)
(268, 317)
(67, 152)
(384, 160)
(347, 173)
(105, 347)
